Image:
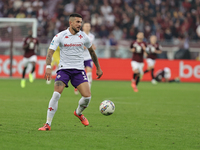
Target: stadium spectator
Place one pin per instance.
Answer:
(165, 18)
(117, 33)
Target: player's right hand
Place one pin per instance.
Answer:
(48, 74)
(132, 49)
(99, 73)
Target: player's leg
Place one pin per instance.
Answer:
(89, 75)
(158, 77)
(25, 64)
(31, 78)
(79, 81)
(88, 66)
(76, 92)
(177, 79)
(53, 103)
(135, 69)
(152, 65)
(86, 96)
(148, 65)
(33, 60)
(61, 82)
(83, 102)
(141, 65)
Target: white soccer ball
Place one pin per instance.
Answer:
(107, 107)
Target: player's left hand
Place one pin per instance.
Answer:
(99, 73)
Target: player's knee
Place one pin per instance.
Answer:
(59, 86)
(86, 94)
(136, 71)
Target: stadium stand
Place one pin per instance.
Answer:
(165, 18)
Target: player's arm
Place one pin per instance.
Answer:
(94, 47)
(96, 62)
(26, 45)
(48, 64)
(144, 49)
(158, 50)
(132, 48)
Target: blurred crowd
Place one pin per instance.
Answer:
(113, 19)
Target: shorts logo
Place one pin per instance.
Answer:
(84, 76)
(58, 76)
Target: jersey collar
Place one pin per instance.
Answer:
(69, 33)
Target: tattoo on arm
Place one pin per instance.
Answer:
(94, 57)
(49, 57)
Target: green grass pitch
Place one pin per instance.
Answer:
(159, 117)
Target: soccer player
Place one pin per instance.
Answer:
(152, 49)
(165, 75)
(71, 67)
(30, 47)
(55, 61)
(138, 48)
(88, 63)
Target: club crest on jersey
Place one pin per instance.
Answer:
(66, 37)
(58, 76)
(80, 36)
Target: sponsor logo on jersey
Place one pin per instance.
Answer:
(73, 45)
(66, 37)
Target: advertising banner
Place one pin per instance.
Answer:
(113, 69)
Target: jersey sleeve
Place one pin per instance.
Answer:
(87, 43)
(55, 42)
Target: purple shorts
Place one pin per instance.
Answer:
(75, 76)
(88, 63)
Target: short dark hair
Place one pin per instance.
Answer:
(75, 15)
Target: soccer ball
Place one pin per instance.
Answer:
(107, 107)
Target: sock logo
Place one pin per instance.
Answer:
(50, 108)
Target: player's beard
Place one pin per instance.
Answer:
(75, 30)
